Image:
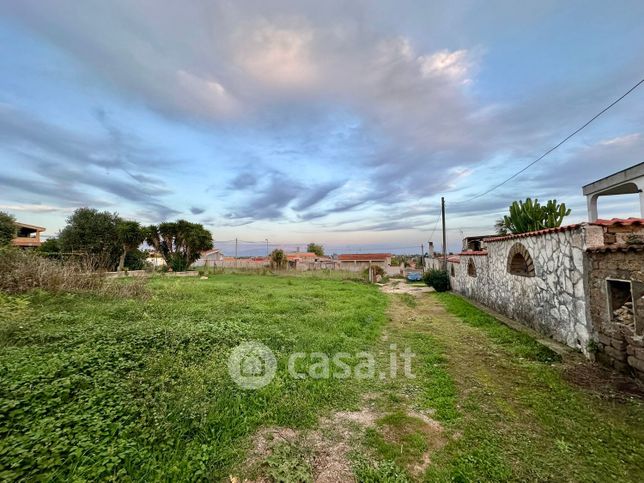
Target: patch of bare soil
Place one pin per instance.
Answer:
(400, 287)
(601, 380)
(327, 448)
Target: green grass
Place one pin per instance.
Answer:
(516, 343)
(521, 420)
(94, 388)
(507, 412)
(98, 388)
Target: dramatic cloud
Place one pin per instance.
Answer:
(355, 116)
(64, 165)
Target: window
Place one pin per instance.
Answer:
(520, 262)
(620, 303)
(451, 271)
(471, 268)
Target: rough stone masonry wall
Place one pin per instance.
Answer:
(552, 302)
(619, 343)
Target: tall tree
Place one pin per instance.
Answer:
(94, 234)
(530, 215)
(130, 236)
(8, 228)
(315, 248)
(179, 242)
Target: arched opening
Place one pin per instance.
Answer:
(520, 262)
(471, 268)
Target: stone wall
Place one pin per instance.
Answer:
(552, 300)
(619, 330)
(567, 295)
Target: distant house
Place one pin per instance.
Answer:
(209, 258)
(359, 261)
(28, 236)
(304, 257)
(155, 259)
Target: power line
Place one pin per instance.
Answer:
(438, 218)
(554, 147)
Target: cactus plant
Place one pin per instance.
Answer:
(530, 215)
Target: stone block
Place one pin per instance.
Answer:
(638, 352)
(604, 339)
(636, 363)
(615, 354)
(618, 344)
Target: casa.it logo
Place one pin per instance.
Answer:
(252, 365)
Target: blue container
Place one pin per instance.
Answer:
(414, 276)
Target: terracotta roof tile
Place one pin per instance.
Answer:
(302, 255)
(363, 257)
(480, 253)
(619, 222)
(534, 233)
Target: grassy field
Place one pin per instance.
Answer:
(94, 388)
(138, 389)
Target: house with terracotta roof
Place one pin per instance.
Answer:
(356, 262)
(304, 256)
(28, 236)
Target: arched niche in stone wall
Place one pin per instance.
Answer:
(471, 268)
(520, 262)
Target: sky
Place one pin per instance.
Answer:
(337, 122)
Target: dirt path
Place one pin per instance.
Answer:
(485, 403)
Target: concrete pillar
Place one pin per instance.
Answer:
(592, 207)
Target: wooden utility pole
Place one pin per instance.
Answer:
(444, 234)
(266, 247)
(235, 252)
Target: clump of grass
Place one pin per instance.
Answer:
(288, 463)
(409, 300)
(381, 472)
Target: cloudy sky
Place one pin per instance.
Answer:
(341, 122)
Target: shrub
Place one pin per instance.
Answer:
(135, 259)
(22, 271)
(7, 228)
(438, 279)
